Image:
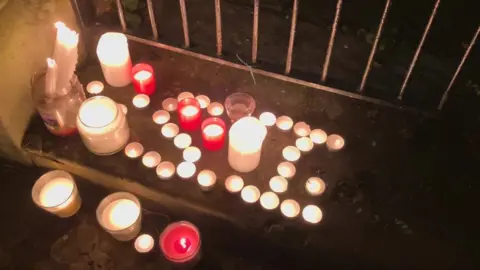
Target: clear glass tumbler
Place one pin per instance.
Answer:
(239, 105)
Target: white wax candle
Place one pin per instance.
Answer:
(192, 154)
(151, 159)
(184, 95)
(284, 123)
(206, 179)
(318, 136)
(215, 109)
(203, 100)
(304, 144)
(65, 54)
(134, 150)
(112, 51)
(312, 214)
(286, 169)
(120, 214)
(335, 143)
(268, 119)
(186, 169)
(144, 243)
(170, 130)
(161, 117)
(301, 129)
(141, 101)
(290, 208)
(95, 87)
(278, 184)
(182, 140)
(315, 186)
(56, 192)
(234, 183)
(269, 200)
(250, 194)
(291, 153)
(169, 104)
(165, 170)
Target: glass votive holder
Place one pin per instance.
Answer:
(57, 193)
(213, 133)
(180, 243)
(189, 114)
(143, 79)
(239, 105)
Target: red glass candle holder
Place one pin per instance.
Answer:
(189, 114)
(143, 79)
(180, 243)
(213, 133)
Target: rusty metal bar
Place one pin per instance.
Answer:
(153, 23)
(121, 16)
(288, 65)
(78, 15)
(218, 22)
(419, 49)
(374, 47)
(467, 52)
(255, 31)
(183, 11)
(332, 40)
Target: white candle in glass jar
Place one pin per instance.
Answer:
(141, 101)
(250, 194)
(206, 179)
(169, 104)
(290, 208)
(161, 117)
(95, 87)
(192, 154)
(186, 169)
(318, 136)
(312, 214)
(291, 153)
(112, 51)
(144, 243)
(304, 144)
(151, 159)
(170, 130)
(268, 119)
(246, 137)
(165, 170)
(234, 183)
(203, 100)
(278, 184)
(335, 143)
(315, 186)
(134, 150)
(184, 95)
(286, 169)
(284, 123)
(269, 200)
(215, 109)
(302, 129)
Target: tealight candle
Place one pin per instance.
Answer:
(284, 123)
(124, 108)
(291, 153)
(290, 208)
(312, 214)
(144, 79)
(315, 186)
(335, 143)
(170, 130)
(278, 184)
(215, 109)
(189, 114)
(161, 117)
(184, 95)
(186, 169)
(95, 87)
(144, 243)
(250, 194)
(169, 104)
(206, 179)
(304, 144)
(268, 119)
(286, 169)
(112, 51)
(141, 101)
(213, 133)
(182, 140)
(203, 100)
(134, 150)
(151, 159)
(192, 154)
(318, 136)
(165, 170)
(269, 200)
(234, 183)
(301, 129)
(180, 243)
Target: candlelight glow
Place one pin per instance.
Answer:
(169, 104)
(161, 117)
(269, 200)
(286, 169)
(290, 208)
(206, 179)
(315, 186)
(192, 154)
(318, 136)
(335, 142)
(301, 129)
(184, 95)
(189, 111)
(170, 130)
(98, 112)
(234, 183)
(182, 140)
(134, 150)
(284, 123)
(291, 153)
(56, 192)
(141, 101)
(268, 119)
(203, 100)
(151, 159)
(278, 184)
(165, 170)
(142, 75)
(312, 214)
(95, 87)
(65, 36)
(186, 169)
(121, 214)
(250, 194)
(215, 109)
(304, 144)
(124, 108)
(144, 243)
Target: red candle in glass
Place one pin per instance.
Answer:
(189, 114)
(180, 242)
(144, 79)
(213, 133)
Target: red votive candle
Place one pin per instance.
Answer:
(180, 242)
(189, 114)
(213, 133)
(144, 79)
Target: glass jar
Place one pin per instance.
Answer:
(239, 105)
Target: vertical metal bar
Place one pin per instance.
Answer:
(288, 66)
(467, 52)
(374, 47)
(218, 22)
(255, 31)
(121, 16)
(153, 22)
(332, 40)
(78, 15)
(183, 11)
(419, 49)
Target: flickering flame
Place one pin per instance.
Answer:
(66, 36)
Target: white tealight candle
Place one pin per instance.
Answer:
(304, 144)
(141, 101)
(301, 129)
(284, 123)
(165, 170)
(169, 104)
(144, 243)
(269, 200)
(215, 109)
(335, 143)
(124, 108)
(203, 100)
(315, 186)
(95, 87)
(234, 183)
(278, 184)
(170, 130)
(312, 214)
(291, 153)
(151, 159)
(184, 95)
(250, 194)
(318, 136)
(192, 154)
(134, 150)
(290, 208)
(268, 119)
(182, 140)
(186, 169)
(161, 117)
(206, 179)
(286, 169)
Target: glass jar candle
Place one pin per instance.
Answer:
(189, 114)
(213, 133)
(143, 79)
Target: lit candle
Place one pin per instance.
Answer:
(301, 129)
(184, 95)
(304, 144)
(95, 87)
(134, 150)
(144, 243)
(213, 133)
(335, 143)
(246, 137)
(268, 119)
(169, 104)
(180, 243)
(65, 54)
(161, 117)
(186, 169)
(120, 215)
(57, 193)
(284, 123)
(312, 214)
(170, 130)
(234, 183)
(278, 184)
(203, 100)
(250, 194)
(290, 208)
(141, 101)
(124, 108)
(182, 140)
(151, 159)
(318, 136)
(165, 170)
(291, 153)
(112, 51)
(206, 179)
(286, 169)
(144, 79)
(189, 114)
(269, 200)
(215, 109)
(192, 154)
(315, 186)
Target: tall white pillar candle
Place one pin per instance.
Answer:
(112, 51)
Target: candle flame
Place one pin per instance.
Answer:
(51, 63)
(66, 36)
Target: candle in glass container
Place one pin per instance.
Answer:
(286, 169)
(170, 130)
(189, 114)
(284, 123)
(268, 119)
(312, 214)
(291, 153)
(315, 186)
(144, 243)
(161, 117)
(203, 100)
(318, 136)
(234, 183)
(169, 104)
(151, 159)
(269, 200)
(112, 51)
(144, 79)
(134, 150)
(184, 95)
(290, 208)
(335, 143)
(186, 169)
(304, 144)
(213, 133)
(192, 154)
(95, 87)
(165, 170)
(278, 184)
(182, 140)
(180, 243)
(250, 194)
(215, 109)
(206, 179)
(141, 101)
(301, 129)
(246, 137)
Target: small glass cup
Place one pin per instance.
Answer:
(239, 105)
